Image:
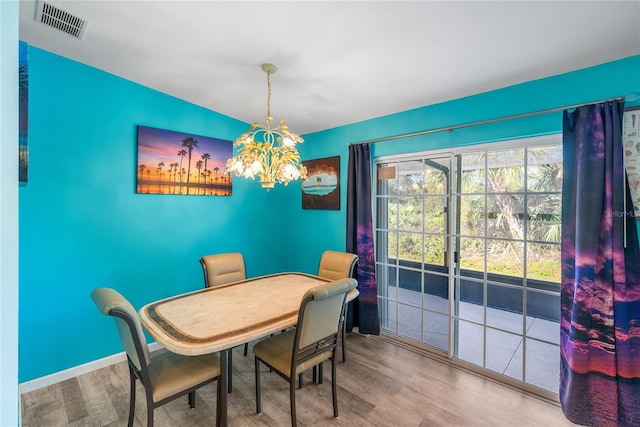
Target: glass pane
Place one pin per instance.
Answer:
(543, 262)
(469, 345)
(434, 214)
(436, 330)
(410, 178)
(544, 215)
(543, 316)
(471, 254)
(544, 329)
(502, 353)
(504, 308)
(434, 248)
(473, 173)
(505, 171)
(386, 276)
(410, 322)
(410, 246)
(390, 241)
(387, 213)
(544, 168)
(505, 257)
(472, 215)
(410, 289)
(388, 185)
(436, 292)
(392, 298)
(388, 314)
(470, 300)
(436, 173)
(542, 365)
(410, 214)
(505, 216)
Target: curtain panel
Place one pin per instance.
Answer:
(600, 289)
(363, 311)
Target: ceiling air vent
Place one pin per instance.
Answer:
(60, 19)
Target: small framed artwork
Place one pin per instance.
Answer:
(23, 112)
(631, 144)
(321, 190)
(182, 163)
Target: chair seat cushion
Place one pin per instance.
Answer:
(172, 373)
(278, 350)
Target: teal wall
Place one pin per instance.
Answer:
(82, 225)
(313, 231)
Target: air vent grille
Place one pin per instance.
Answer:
(60, 19)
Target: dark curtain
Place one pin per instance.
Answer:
(600, 289)
(363, 311)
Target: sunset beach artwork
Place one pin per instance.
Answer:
(182, 163)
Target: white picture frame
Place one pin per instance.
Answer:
(631, 144)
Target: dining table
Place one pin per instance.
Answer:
(216, 319)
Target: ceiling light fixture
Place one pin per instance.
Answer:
(266, 152)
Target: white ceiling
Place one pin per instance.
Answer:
(339, 61)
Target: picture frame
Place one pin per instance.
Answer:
(321, 189)
(182, 163)
(631, 144)
(23, 112)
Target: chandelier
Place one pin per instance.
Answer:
(268, 152)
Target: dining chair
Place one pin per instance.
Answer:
(220, 269)
(338, 265)
(165, 376)
(311, 342)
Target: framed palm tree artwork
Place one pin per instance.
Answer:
(23, 111)
(182, 163)
(321, 190)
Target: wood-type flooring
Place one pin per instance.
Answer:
(382, 384)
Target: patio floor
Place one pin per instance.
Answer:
(532, 357)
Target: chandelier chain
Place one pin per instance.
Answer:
(268, 94)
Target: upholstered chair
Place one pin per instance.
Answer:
(220, 269)
(165, 376)
(310, 343)
(338, 265)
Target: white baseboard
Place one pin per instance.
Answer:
(57, 377)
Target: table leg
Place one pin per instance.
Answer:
(221, 413)
(229, 369)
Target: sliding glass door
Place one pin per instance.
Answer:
(413, 236)
(468, 255)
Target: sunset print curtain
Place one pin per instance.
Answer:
(363, 312)
(600, 296)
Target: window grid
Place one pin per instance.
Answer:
(387, 201)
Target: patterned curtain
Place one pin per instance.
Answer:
(363, 311)
(600, 296)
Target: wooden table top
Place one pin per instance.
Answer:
(221, 317)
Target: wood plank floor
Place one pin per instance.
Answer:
(381, 384)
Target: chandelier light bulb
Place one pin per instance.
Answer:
(288, 142)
